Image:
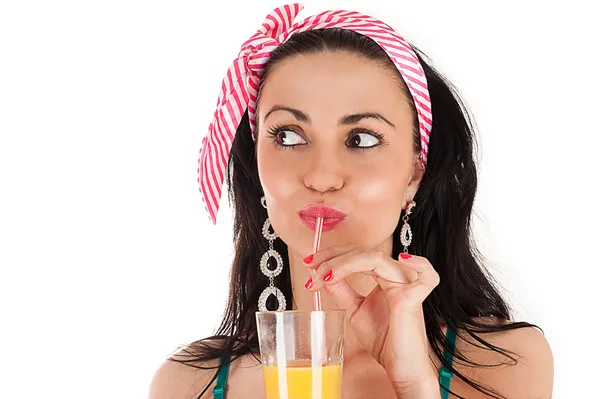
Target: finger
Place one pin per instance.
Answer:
(415, 293)
(345, 296)
(390, 272)
(325, 254)
(427, 274)
(362, 322)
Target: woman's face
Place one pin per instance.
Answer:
(314, 147)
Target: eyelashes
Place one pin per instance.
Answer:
(293, 139)
(277, 139)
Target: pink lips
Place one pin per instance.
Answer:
(332, 218)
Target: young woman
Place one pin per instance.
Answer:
(339, 116)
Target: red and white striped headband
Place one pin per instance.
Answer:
(240, 86)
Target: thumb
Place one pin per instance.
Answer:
(345, 296)
(363, 323)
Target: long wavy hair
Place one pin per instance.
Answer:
(441, 224)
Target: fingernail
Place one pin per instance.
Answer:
(309, 283)
(405, 256)
(309, 259)
(329, 276)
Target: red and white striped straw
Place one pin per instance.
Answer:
(316, 246)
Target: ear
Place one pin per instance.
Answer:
(415, 180)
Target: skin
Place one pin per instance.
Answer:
(383, 296)
(371, 186)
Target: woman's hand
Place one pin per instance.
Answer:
(389, 321)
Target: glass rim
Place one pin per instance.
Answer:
(300, 311)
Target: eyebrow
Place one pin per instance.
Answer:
(344, 120)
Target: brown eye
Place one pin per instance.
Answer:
(288, 138)
(363, 140)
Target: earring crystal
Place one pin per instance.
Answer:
(406, 232)
(271, 274)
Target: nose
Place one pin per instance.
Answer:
(324, 172)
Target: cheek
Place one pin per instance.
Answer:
(373, 192)
(283, 188)
(379, 195)
(281, 185)
(379, 183)
(380, 200)
(277, 178)
(377, 190)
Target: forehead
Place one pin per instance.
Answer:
(329, 84)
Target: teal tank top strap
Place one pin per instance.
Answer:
(219, 389)
(445, 373)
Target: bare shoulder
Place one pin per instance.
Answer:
(530, 372)
(175, 380)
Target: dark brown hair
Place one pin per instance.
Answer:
(441, 223)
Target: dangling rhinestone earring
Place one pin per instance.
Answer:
(264, 268)
(406, 232)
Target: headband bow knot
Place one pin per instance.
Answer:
(240, 85)
(256, 57)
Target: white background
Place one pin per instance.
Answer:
(108, 260)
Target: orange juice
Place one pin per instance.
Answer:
(300, 382)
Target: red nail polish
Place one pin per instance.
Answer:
(405, 256)
(309, 283)
(329, 276)
(309, 259)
